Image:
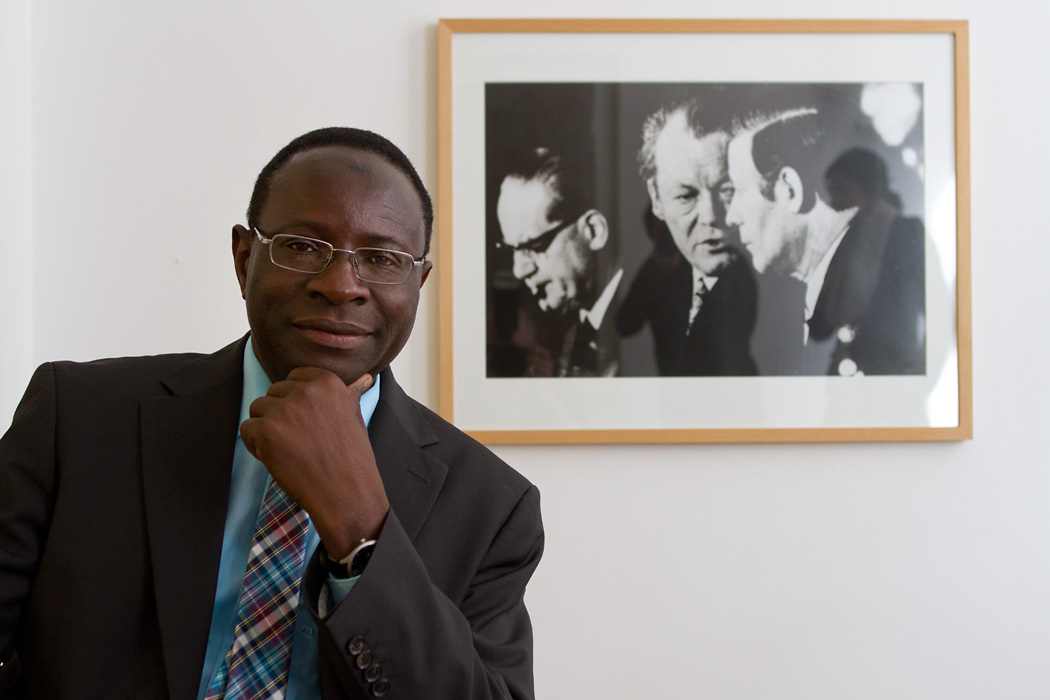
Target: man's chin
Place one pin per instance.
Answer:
(551, 305)
(348, 367)
(560, 308)
(714, 263)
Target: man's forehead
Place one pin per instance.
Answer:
(739, 155)
(522, 208)
(680, 152)
(675, 131)
(331, 160)
(312, 176)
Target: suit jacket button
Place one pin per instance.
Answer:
(356, 646)
(364, 660)
(846, 334)
(373, 672)
(381, 687)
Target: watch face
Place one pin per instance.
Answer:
(360, 560)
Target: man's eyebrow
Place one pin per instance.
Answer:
(315, 229)
(381, 240)
(312, 226)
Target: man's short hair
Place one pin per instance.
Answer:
(699, 119)
(571, 185)
(790, 139)
(351, 138)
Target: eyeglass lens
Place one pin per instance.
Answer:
(370, 264)
(542, 242)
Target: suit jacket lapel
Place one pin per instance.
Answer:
(187, 454)
(412, 477)
(854, 270)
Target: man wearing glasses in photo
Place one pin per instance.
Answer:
(564, 253)
(278, 519)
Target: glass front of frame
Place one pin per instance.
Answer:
(674, 232)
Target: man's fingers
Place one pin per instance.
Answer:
(281, 388)
(249, 433)
(263, 405)
(363, 384)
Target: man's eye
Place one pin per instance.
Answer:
(685, 195)
(300, 246)
(379, 258)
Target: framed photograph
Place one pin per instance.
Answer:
(704, 231)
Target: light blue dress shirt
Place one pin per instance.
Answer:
(247, 487)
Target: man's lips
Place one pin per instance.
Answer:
(711, 244)
(332, 334)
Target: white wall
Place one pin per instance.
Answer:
(130, 133)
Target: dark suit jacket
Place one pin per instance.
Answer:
(587, 351)
(718, 344)
(873, 301)
(114, 478)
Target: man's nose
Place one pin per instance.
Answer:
(339, 283)
(524, 265)
(733, 214)
(709, 209)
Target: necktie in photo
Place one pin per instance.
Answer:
(698, 301)
(256, 666)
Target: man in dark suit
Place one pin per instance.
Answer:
(702, 304)
(564, 252)
(134, 529)
(862, 264)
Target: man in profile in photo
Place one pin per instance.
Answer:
(862, 263)
(564, 253)
(702, 308)
(278, 518)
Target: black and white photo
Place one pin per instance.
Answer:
(704, 230)
(795, 213)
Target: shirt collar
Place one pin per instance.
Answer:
(256, 384)
(596, 313)
(815, 281)
(698, 277)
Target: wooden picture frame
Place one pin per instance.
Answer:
(507, 85)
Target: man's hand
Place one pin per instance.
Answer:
(309, 433)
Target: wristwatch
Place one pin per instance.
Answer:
(353, 564)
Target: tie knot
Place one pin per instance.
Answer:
(694, 309)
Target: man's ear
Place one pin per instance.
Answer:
(654, 198)
(595, 229)
(787, 190)
(242, 252)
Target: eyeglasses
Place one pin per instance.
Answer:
(372, 265)
(540, 243)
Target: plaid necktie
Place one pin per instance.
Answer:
(256, 666)
(698, 300)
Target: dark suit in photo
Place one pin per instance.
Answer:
(872, 302)
(717, 343)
